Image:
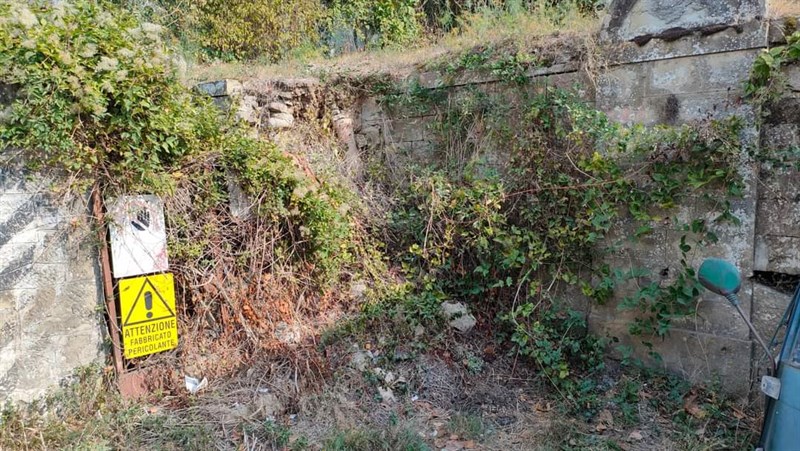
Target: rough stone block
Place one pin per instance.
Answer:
(674, 75)
(715, 72)
(222, 103)
(408, 130)
(48, 303)
(780, 136)
(792, 74)
(279, 107)
(678, 108)
(781, 183)
(371, 112)
(369, 138)
(221, 88)
(280, 120)
(768, 308)
(677, 90)
(777, 254)
(418, 152)
(249, 111)
(735, 240)
(779, 216)
(784, 110)
(620, 92)
(716, 316)
(631, 19)
(749, 35)
(659, 254)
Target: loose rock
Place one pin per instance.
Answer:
(387, 395)
(280, 120)
(287, 334)
(279, 107)
(460, 319)
(359, 360)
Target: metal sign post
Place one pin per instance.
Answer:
(138, 261)
(108, 282)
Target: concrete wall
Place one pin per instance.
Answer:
(49, 299)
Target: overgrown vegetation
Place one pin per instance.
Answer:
(98, 98)
(514, 215)
(767, 84)
(98, 102)
(269, 30)
(766, 79)
(243, 29)
(526, 196)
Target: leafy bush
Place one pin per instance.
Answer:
(98, 93)
(766, 68)
(378, 22)
(241, 29)
(98, 98)
(270, 30)
(518, 237)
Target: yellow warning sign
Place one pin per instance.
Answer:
(147, 306)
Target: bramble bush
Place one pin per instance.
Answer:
(98, 99)
(381, 22)
(518, 235)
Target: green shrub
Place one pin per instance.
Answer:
(242, 29)
(98, 93)
(271, 30)
(511, 236)
(99, 100)
(378, 22)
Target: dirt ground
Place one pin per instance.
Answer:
(463, 394)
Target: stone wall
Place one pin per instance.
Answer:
(267, 105)
(669, 64)
(778, 225)
(49, 292)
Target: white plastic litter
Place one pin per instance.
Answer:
(194, 385)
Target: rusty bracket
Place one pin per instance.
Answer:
(108, 281)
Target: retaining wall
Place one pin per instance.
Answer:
(50, 322)
(667, 62)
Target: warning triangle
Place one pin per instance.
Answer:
(148, 306)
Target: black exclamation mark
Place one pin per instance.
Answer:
(148, 303)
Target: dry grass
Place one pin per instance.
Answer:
(777, 9)
(519, 31)
(269, 406)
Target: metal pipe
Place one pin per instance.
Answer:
(735, 301)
